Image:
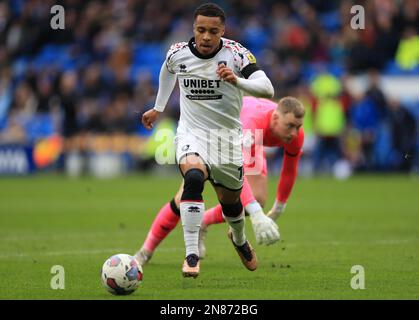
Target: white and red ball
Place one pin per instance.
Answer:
(121, 274)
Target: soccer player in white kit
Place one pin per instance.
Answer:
(213, 72)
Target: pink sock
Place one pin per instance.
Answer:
(164, 222)
(213, 215)
(247, 194)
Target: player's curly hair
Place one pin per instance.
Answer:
(210, 10)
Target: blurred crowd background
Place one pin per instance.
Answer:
(87, 85)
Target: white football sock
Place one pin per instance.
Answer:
(237, 227)
(191, 214)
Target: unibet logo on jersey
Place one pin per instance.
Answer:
(202, 89)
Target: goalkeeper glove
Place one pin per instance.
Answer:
(266, 230)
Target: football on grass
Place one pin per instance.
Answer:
(121, 274)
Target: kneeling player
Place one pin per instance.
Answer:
(265, 123)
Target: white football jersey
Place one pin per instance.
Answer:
(206, 101)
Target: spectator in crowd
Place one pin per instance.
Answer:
(22, 111)
(364, 118)
(404, 135)
(407, 56)
(69, 101)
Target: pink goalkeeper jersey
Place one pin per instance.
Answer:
(256, 114)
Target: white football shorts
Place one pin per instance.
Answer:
(220, 151)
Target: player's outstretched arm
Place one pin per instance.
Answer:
(285, 184)
(257, 85)
(277, 209)
(167, 81)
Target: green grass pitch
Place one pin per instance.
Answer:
(328, 227)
